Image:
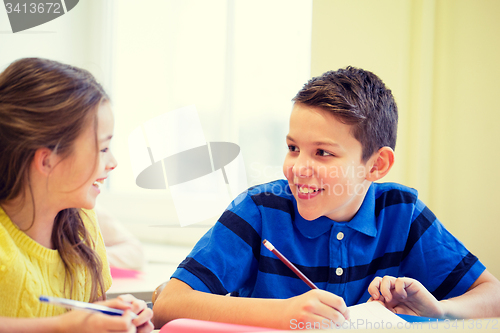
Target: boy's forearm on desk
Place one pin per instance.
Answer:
(480, 301)
(178, 300)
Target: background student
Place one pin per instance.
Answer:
(123, 249)
(55, 130)
(354, 238)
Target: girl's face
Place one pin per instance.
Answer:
(77, 178)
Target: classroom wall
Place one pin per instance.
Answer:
(78, 37)
(441, 60)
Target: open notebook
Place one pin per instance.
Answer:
(372, 315)
(366, 315)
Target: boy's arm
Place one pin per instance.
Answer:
(408, 296)
(179, 300)
(482, 300)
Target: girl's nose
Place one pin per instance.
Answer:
(111, 163)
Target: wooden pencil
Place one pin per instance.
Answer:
(281, 257)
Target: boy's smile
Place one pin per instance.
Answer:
(323, 166)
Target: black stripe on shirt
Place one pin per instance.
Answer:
(327, 274)
(242, 229)
(276, 266)
(204, 274)
(455, 276)
(418, 227)
(393, 197)
(360, 272)
(270, 200)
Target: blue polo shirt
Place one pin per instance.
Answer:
(393, 233)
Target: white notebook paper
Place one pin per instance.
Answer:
(372, 315)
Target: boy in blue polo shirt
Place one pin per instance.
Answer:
(355, 239)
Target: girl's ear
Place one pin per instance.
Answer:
(382, 161)
(44, 161)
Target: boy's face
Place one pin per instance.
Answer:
(324, 166)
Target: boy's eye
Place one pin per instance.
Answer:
(105, 150)
(293, 148)
(322, 152)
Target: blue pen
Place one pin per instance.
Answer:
(77, 305)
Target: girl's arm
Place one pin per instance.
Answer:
(91, 322)
(72, 321)
(179, 300)
(21, 325)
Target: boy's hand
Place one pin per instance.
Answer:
(405, 296)
(316, 306)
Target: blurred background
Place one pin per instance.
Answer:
(241, 62)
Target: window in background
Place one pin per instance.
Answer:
(239, 62)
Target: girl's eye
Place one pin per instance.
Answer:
(322, 152)
(293, 148)
(105, 150)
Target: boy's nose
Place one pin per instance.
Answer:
(302, 168)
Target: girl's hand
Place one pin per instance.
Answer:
(93, 322)
(316, 307)
(139, 307)
(405, 296)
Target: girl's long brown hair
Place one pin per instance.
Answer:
(45, 103)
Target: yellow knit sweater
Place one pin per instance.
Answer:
(28, 270)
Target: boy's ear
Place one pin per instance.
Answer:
(382, 161)
(44, 161)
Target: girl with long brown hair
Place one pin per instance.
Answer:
(55, 130)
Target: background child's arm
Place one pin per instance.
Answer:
(123, 249)
(179, 300)
(408, 296)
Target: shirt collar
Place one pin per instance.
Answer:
(364, 220)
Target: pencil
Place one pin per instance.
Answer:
(77, 305)
(277, 253)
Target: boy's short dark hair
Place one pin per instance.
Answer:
(356, 97)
